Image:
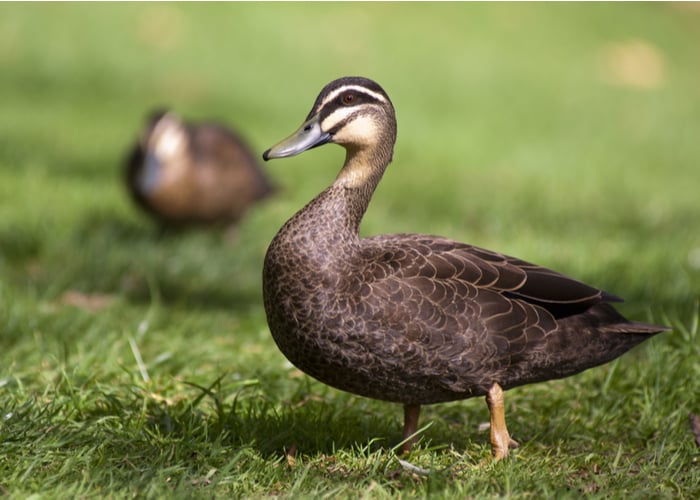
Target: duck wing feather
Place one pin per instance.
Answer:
(405, 257)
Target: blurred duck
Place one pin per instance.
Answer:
(412, 318)
(193, 173)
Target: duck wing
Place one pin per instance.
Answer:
(405, 257)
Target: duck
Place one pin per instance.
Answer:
(193, 173)
(418, 319)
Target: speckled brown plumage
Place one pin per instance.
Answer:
(193, 173)
(412, 318)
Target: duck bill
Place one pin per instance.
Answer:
(308, 136)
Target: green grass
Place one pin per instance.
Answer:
(514, 134)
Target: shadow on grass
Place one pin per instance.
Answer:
(318, 421)
(316, 425)
(196, 268)
(19, 243)
(308, 423)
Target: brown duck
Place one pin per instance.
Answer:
(193, 173)
(411, 318)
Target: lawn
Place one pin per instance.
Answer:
(139, 364)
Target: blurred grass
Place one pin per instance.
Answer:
(565, 134)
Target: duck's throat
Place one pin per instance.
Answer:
(357, 182)
(363, 169)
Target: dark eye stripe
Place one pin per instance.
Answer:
(325, 112)
(360, 99)
(365, 92)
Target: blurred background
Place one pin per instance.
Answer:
(565, 134)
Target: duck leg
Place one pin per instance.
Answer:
(500, 439)
(410, 426)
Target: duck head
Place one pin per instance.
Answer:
(164, 143)
(353, 112)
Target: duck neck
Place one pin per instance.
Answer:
(358, 179)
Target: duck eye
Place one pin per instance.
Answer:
(348, 99)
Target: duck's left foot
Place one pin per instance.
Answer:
(501, 442)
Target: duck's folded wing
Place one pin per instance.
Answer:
(406, 256)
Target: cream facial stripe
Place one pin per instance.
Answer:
(357, 88)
